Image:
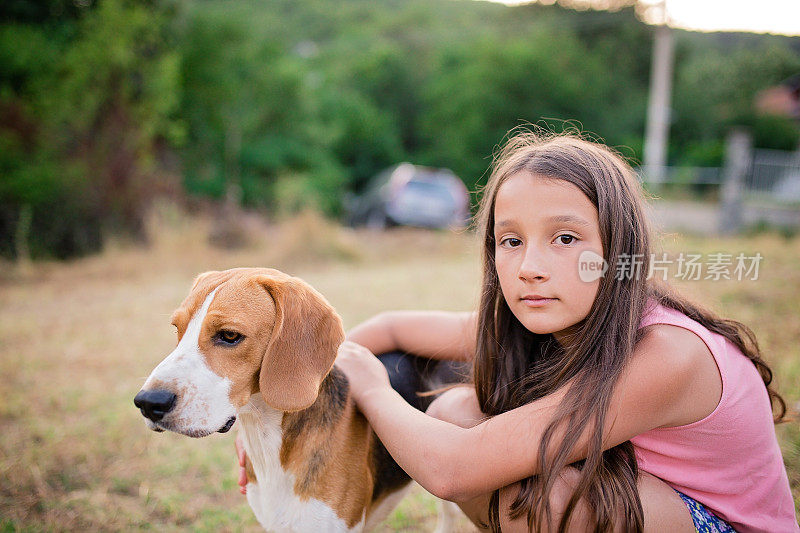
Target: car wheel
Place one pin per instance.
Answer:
(376, 220)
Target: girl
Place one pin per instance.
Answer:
(600, 402)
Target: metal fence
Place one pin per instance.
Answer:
(758, 187)
(774, 176)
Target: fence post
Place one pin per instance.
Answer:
(738, 157)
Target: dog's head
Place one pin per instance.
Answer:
(241, 331)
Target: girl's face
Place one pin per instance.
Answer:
(542, 225)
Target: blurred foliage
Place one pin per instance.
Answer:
(716, 80)
(87, 96)
(282, 105)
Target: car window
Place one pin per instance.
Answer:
(426, 188)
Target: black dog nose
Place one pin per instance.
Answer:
(154, 404)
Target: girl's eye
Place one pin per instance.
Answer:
(229, 337)
(569, 238)
(511, 242)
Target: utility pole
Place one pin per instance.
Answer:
(657, 134)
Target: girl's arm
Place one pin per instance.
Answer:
(432, 334)
(667, 383)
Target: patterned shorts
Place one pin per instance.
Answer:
(704, 521)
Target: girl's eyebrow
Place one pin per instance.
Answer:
(569, 219)
(560, 219)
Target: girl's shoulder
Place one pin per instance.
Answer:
(673, 346)
(678, 354)
(676, 331)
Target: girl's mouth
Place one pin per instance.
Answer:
(536, 301)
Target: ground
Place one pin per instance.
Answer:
(78, 339)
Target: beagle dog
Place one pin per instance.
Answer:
(258, 345)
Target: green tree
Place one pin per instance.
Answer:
(90, 99)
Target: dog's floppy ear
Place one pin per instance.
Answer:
(305, 339)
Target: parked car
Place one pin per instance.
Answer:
(411, 195)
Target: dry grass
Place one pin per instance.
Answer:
(78, 339)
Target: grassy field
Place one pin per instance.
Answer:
(78, 339)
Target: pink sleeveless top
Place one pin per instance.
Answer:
(730, 460)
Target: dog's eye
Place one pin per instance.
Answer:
(229, 337)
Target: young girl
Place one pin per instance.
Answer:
(601, 402)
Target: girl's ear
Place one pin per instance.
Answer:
(305, 339)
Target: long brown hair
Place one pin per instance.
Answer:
(514, 366)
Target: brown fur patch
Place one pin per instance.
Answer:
(328, 449)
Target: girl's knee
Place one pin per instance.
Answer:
(559, 498)
(507, 497)
(663, 508)
(458, 406)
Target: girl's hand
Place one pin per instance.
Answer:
(240, 454)
(363, 370)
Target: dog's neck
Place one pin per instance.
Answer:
(273, 438)
(320, 417)
(325, 413)
(262, 435)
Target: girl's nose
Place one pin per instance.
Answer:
(532, 269)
